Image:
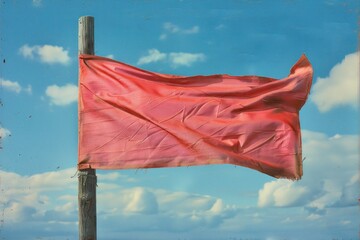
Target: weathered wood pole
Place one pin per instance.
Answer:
(87, 178)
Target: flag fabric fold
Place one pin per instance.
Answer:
(132, 118)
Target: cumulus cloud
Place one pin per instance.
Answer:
(281, 193)
(10, 86)
(32, 203)
(50, 198)
(185, 59)
(327, 194)
(330, 176)
(62, 95)
(175, 59)
(26, 198)
(170, 211)
(141, 201)
(14, 86)
(154, 55)
(170, 28)
(341, 87)
(46, 53)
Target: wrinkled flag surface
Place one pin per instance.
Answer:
(132, 118)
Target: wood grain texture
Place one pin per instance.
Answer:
(87, 177)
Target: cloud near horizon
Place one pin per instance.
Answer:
(341, 87)
(321, 188)
(48, 54)
(175, 59)
(49, 200)
(62, 95)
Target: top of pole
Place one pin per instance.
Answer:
(86, 35)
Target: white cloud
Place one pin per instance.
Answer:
(48, 181)
(53, 54)
(26, 51)
(175, 59)
(51, 196)
(313, 217)
(14, 86)
(185, 59)
(47, 53)
(4, 133)
(37, 3)
(27, 198)
(62, 95)
(154, 55)
(169, 211)
(330, 176)
(281, 193)
(10, 86)
(341, 87)
(326, 196)
(48, 201)
(171, 28)
(141, 201)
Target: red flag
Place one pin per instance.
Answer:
(132, 118)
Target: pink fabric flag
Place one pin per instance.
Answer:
(132, 118)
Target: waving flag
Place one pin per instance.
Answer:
(132, 118)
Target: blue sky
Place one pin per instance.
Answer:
(38, 119)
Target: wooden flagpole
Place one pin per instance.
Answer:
(87, 178)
